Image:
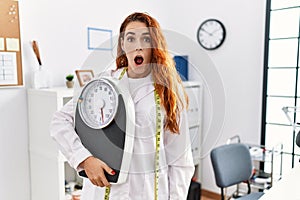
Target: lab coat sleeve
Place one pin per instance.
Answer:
(179, 159)
(63, 132)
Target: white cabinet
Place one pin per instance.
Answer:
(194, 91)
(47, 164)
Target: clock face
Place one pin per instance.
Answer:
(98, 103)
(211, 34)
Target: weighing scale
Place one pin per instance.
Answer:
(105, 124)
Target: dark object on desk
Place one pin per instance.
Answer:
(232, 164)
(78, 186)
(262, 174)
(194, 191)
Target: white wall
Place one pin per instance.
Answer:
(60, 27)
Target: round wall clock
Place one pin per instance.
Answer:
(211, 34)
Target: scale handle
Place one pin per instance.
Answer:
(83, 174)
(110, 178)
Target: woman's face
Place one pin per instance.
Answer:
(137, 46)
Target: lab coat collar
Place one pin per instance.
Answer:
(141, 92)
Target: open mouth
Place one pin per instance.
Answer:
(138, 60)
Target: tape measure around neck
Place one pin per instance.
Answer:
(122, 73)
(157, 142)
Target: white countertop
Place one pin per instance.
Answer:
(288, 188)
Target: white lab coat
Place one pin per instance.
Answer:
(176, 162)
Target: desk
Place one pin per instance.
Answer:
(287, 188)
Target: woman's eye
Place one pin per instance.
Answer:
(147, 39)
(130, 39)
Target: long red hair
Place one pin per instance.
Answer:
(168, 84)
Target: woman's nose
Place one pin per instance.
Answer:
(139, 46)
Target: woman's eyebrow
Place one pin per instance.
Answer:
(133, 33)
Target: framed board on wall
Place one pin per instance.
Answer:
(11, 73)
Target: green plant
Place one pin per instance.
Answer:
(70, 77)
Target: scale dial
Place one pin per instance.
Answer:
(98, 103)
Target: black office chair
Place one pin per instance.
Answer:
(232, 165)
(298, 138)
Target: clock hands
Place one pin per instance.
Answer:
(216, 30)
(102, 105)
(206, 31)
(210, 33)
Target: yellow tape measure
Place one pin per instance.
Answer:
(122, 73)
(107, 191)
(157, 145)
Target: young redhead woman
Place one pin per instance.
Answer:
(148, 70)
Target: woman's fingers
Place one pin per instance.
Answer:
(108, 169)
(94, 169)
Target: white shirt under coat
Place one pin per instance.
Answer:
(176, 161)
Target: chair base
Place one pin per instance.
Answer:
(251, 196)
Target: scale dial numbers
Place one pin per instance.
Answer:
(98, 103)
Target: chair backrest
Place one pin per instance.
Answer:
(298, 139)
(232, 164)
